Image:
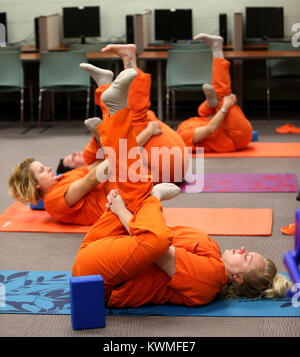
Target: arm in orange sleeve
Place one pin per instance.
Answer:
(81, 187)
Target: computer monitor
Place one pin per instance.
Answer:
(81, 21)
(264, 23)
(173, 24)
(3, 21)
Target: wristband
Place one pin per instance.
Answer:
(223, 110)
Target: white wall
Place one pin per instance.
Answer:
(21, 13)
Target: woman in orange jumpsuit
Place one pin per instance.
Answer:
(221, 125)
(150, 132)
(140, 258)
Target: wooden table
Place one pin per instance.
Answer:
(160, 56)
(249, 46)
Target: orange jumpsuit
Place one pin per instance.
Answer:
(126, 261)
(139, 102)
(87, 210)
(234, 133)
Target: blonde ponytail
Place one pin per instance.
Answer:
(278, 288)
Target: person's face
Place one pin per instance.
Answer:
(74, 160)
(44, 175)
(238, 261)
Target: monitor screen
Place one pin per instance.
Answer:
(264, 22)
(173, 24)
(81, 21)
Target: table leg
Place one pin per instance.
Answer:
(238, 81)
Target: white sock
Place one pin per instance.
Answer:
(211, 96)
(115, 97)
(103, 171)
(91, 124)
(165, 191)
(99, 75)
(214, 42)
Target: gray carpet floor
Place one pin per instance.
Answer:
(42, 251)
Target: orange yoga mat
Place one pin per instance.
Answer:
(214, 221)
(256, 149)
(223, 221)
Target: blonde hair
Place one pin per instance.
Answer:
(22, 183)
(267, 284)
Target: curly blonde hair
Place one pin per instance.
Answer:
(22, 183)
(267, 284)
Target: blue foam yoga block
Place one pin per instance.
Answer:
(87, 302)
(39, 205)
(254, 135)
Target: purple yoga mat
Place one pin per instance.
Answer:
(245, 182)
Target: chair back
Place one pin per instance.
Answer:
(283, 68)
(89, 47)
(10, 49)
(11, 70)
(61, 69)
(188, 68)
(194, 46)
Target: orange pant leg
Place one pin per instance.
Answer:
(221, 82)
(139, 96)
(98, 93)
(118, 135)
(90, 151)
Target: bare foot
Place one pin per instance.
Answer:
(126, 52)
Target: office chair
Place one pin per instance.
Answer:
(186, 71)
(12, 78)
(194, 46)
(280, 69)
(60, 72)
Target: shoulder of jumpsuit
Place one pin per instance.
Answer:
(40, 204)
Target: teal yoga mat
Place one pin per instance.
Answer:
(47, 292)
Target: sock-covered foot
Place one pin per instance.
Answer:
(103, 171)
(211, 96)
(126, 52)
(165, 191)
(214, 42)
(91, 124)
(115, 97)
(99, 75)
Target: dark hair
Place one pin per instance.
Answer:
(61, 168)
